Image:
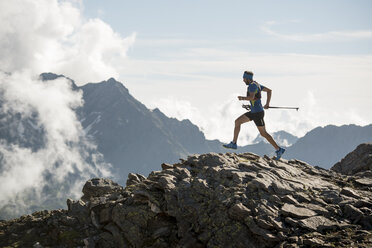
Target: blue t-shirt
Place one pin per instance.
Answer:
(256, 105)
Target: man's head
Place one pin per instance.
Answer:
(248, 77)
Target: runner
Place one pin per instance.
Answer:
(256, 114)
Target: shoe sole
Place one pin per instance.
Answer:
(229, 148)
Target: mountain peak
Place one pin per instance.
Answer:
(46, 76)
(112, 80)
(283, 138)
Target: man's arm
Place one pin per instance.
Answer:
(268, 91)
(247, 98)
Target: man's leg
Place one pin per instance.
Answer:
(238, 122)
(268, 137)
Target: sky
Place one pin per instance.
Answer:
(187, 57)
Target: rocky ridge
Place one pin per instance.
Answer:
(210, 200)
(356, 161)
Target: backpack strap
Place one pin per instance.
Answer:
(258, 94)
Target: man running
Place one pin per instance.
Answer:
(256, 114)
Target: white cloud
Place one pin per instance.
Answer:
(216, 123)
(40, 36)
(51, 35)
(65, 152)
(346, 35)
(328, 89)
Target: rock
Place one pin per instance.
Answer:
(296, 212)
(363, 203)
(290, 199)
(353, 213)
(89, 243)
(318, 223)
(314, 242)
(292, 222)
(105, 215)
(167, 182)
(162, 231)
(118, 238)
(331, 196)
(239, 212)
(260, 231)
(95, 220)
(356, 161)
(210, 159)
(209, 200)
(364, 181)
(349, 192)
(107, 240)
(37, 245)
(302, 197)
(132, 220)
(134, 179)
(293, 239)
(98, 187)
(78, 209)
(166, 166)
(317, 209)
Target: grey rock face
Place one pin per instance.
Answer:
(296, 212)
(210, 200)
(99, 187)
(356, 161)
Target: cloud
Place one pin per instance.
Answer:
(332, 36)
(43, 145)
(51, 35)
(328, 90)
(42, 141)
(218, 124)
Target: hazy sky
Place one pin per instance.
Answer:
(187, 57)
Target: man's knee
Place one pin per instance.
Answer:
(238, 122)
(242, 119)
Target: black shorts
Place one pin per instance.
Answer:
(258, 118)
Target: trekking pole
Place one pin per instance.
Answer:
(248, 107)
(285, 108)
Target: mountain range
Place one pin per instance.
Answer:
(136, 139)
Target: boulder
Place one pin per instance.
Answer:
(296, 212)
(96, 187)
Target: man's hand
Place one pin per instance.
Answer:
(241, 98)
(266, 106)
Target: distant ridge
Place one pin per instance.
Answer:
(126, 130)
(325, 146)
(135, 139)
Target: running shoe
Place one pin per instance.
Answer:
(231, 145)
(279, 153)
